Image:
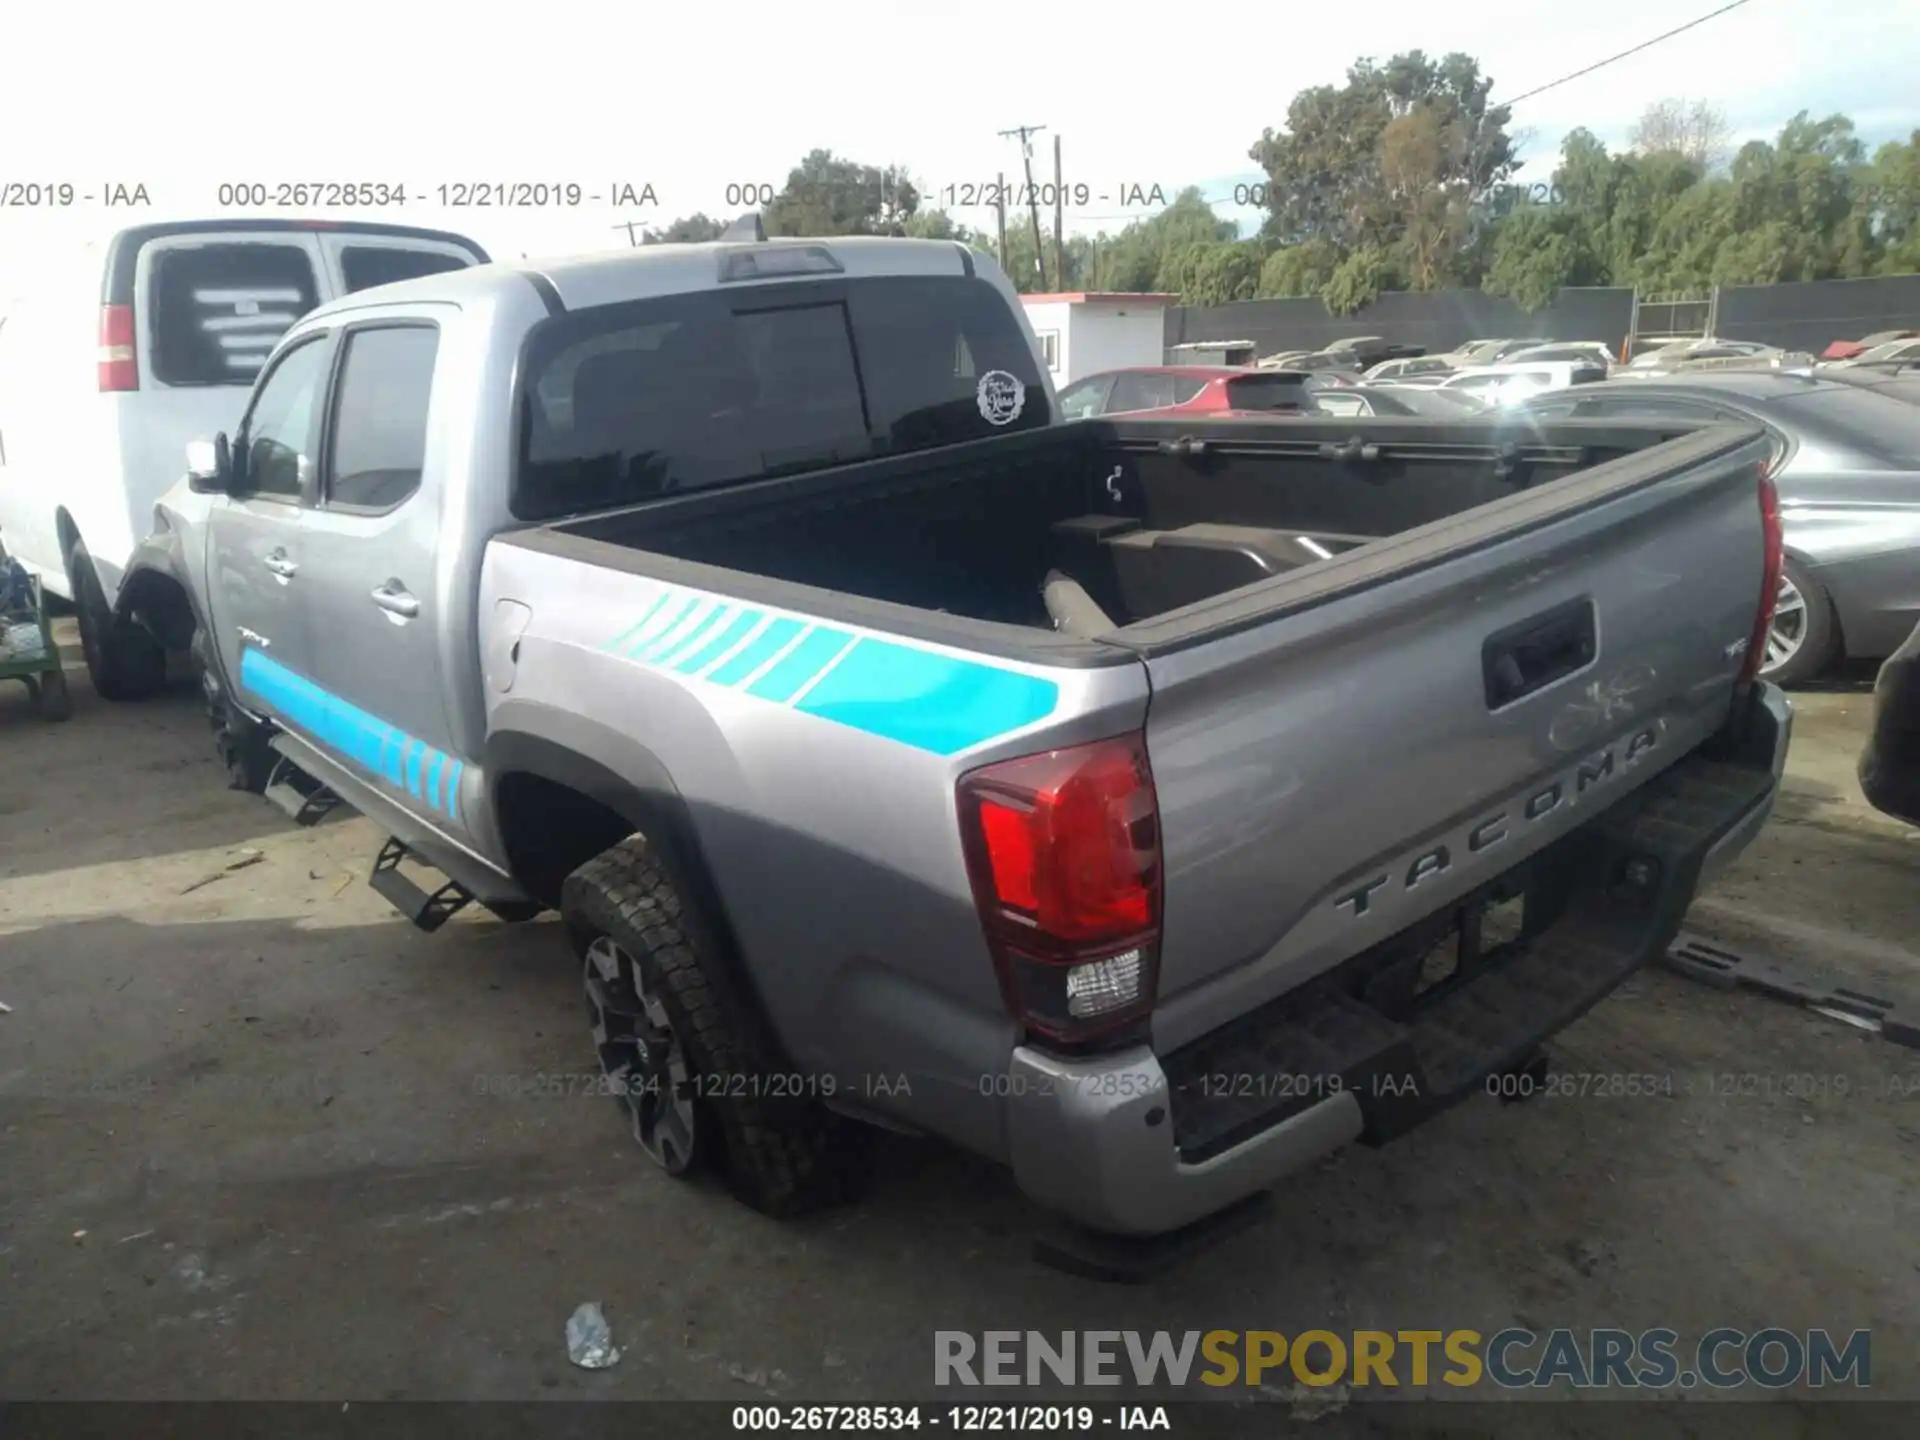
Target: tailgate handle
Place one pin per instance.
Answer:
(1532, 655)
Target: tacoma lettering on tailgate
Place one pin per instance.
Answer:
(1467, 845)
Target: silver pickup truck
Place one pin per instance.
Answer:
(1152, 806)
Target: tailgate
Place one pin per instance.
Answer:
(1344, 751)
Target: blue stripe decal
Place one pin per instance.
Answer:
(404, 762)
(634, 629)
(896, 690)
(763, 648)
(721, 643)
(662, 639)
(801, 664)
(927, 700)
(709, 626)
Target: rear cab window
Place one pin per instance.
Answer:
(622, 403)
(215, 311)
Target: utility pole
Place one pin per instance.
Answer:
(1059, 220)
(1000, 214)
(629, 226)
(1025, 133)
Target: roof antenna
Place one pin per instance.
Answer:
(747, 227)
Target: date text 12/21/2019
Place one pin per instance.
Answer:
(453, 195)
(963, 1419)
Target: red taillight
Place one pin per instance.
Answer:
(1063, 850)
(118, 368)
(1772, 563)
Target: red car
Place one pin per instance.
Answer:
(1189, 390)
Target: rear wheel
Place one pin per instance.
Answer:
(687, 1056)
(1802, 638)
(123, 659)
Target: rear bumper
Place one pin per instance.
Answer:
(1137, 1143)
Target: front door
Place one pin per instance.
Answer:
(255, 575)
(368, 562)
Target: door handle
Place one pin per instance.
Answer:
(396, 599)
(280, 565)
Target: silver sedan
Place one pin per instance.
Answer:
(1848, 473)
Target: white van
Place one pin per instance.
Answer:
(114, 356)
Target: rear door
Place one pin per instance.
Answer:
(360, 260)
(255, 584)
(368, 567)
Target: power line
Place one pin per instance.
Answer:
(1635, 50)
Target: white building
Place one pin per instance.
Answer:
(1083, 333)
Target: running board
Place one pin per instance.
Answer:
(426, 910)
(305, 799)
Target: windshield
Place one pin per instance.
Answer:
(626, 402)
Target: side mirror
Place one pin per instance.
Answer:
(209, 465)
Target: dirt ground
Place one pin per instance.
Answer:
(248, 1149)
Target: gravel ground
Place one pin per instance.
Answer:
(247, 1148)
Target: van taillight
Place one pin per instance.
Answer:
(1773, 561)
(118, 368)
(1063, 851)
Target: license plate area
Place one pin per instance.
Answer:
(1452, 948)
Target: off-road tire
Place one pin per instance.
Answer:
(123, 659)
(240, 744)
(781, 1156)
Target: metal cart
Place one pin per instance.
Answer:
(27, 651)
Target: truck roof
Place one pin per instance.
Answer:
(609, 277)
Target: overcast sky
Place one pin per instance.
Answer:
(690, 98)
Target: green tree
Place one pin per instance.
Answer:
(828, 195)
(1888, 205)
(937, 225)
(1536, 251)
(1297, 270)
(687, 228)
(1359, 280)
(1327, 168)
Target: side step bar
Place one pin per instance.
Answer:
(427, 910)
(305, 799)
(464, 878)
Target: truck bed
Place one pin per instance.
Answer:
(1510, 626)
(1150, 518)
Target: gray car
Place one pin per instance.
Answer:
(1095, 795)
(1848, 472)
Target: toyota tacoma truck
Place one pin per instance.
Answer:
(1150, 811)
